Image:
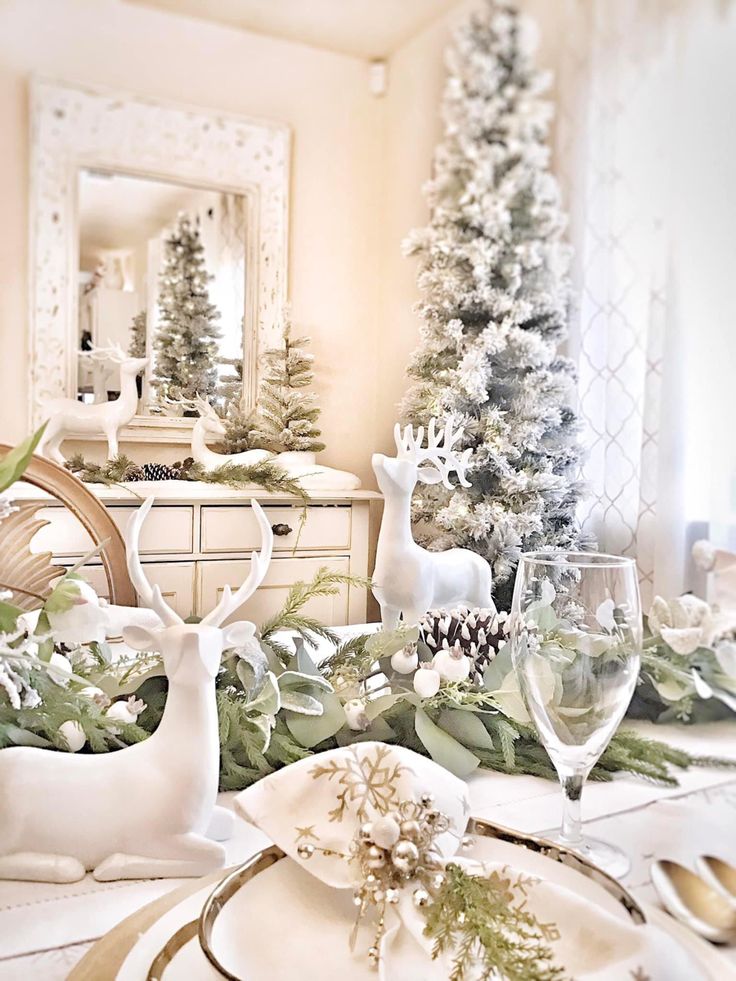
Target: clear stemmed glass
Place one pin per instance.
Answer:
(576, 638)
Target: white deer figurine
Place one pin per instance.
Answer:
(409, 579)
(68, 417)
(210, 424)
(146, 811)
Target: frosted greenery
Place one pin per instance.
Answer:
(493, 274)
(137, 347)
(186, 340)
(287, 414)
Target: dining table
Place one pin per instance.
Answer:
(83, 930)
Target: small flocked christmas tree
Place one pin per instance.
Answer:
(287, 415)
(493, 273)
(137, 346)
(186, 341)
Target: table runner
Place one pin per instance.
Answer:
(46, 928)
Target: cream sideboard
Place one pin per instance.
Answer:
(198, 539)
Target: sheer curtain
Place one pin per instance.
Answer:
(634, 178)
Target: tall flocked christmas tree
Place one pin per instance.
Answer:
(493, 273)
(186, 340)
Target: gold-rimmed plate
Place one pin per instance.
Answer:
(243, 923)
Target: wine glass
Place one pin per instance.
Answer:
(576, 637)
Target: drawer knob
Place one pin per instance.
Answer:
(281, 529)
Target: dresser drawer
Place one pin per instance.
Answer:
(167, 530)
(235, 529)
(270, 597)
(175, 579)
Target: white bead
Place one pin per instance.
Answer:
(385, 832)
(405, 661)
(451, 668)
(427, 682)
(74, 735)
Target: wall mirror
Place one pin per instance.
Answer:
(140, 210)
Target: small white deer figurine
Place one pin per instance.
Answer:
(144, 811)
(68, 417)
(409, 579)
(210, 424)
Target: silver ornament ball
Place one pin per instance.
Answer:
(405, 855)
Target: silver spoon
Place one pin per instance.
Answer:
(720, 876)
(694, 902)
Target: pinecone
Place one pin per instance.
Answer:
(134, 472)
(477, 633)
(160, 471)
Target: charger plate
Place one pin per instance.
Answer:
(221, 933)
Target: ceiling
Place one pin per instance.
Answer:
(116, 211)
(364, 28)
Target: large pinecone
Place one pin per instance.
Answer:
(477, 633)
(160, 471)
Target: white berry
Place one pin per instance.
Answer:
(427, 682)
(73, 735)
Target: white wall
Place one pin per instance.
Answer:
(336, 176)
(357, 170)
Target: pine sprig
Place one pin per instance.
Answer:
(291, 616)
(484, 923)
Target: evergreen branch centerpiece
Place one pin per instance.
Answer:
(121, 469)
(493, 273)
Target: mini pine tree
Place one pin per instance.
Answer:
(186, 341)
(493, 273)
(240, 421)
(137, 346)
(287, 416)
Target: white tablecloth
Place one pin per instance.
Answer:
(45, 929)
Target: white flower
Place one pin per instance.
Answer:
(725, 652)
(426, 681)
(84, 622)
(604, 614)
(126, 711)
(685, 623)
(355, 714)
(704, 554)
(59, 669)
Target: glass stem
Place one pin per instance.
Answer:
(572, 789)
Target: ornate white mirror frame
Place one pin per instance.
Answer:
(74, 127)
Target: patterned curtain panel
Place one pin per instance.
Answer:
(620, 146)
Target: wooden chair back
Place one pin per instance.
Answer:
(91, 513)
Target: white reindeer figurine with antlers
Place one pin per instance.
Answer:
(68, 417)
(146, 811)
(409, 579)
(210, 424)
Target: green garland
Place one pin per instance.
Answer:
(266, 474)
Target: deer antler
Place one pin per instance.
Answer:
(259, 567)
(203, 407)
(439, 452)
(151, 596)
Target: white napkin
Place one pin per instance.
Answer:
(324, 799)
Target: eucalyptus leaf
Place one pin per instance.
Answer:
(375, 707)
(251, 668)
(264, 725)
(14, 463)
(23, 737)
(299, 701)
(267, 701)
(384, 644)
(379, 731)
(443, 748)
(466, 727)
(64, 595)
(293, 679)
(9, 617)
(311, 730)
